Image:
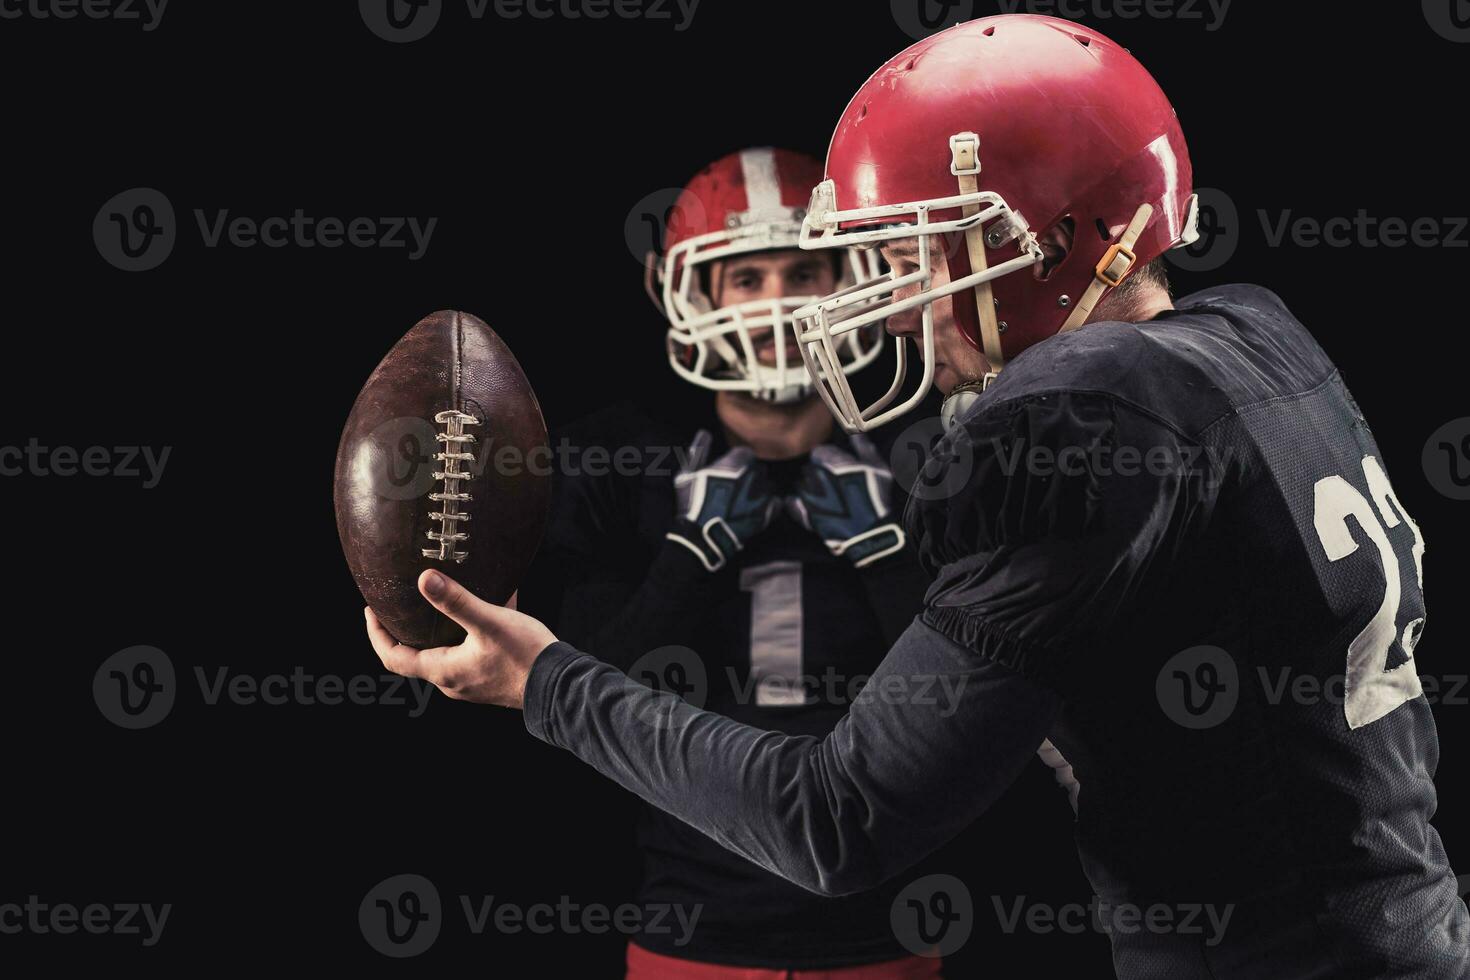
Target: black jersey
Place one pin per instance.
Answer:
(1173, 550)
(1185, 528)
(781, 638)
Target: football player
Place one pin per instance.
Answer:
(1169, 552)
(769, 560)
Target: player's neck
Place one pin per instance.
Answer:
(1136, 306)
(773, 431)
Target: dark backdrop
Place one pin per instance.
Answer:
(537, 145)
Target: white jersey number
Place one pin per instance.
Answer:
(1372, 690)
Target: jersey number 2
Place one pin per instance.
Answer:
(1372, 690)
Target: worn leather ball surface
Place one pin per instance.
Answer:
(443, 464)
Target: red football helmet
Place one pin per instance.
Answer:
(749, 201)
(983, 136)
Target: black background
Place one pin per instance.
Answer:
(532, 142)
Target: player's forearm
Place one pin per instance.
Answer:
(834, 816)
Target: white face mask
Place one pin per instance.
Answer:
(715, 347)
(823, 325)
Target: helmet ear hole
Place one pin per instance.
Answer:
(1056, 245)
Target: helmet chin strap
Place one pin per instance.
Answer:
(1114, 267)
(1111, 270)
(965, 165)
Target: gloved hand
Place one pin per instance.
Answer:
(722, 505)
(844, 499)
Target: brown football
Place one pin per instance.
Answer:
(443, 464)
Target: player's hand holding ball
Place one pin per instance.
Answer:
(491, 665)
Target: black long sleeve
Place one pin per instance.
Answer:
(834, 815)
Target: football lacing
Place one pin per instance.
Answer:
(453, 438)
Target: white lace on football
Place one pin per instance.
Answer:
(455, 441)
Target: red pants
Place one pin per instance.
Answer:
(643, 965)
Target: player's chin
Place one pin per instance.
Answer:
(945, 379)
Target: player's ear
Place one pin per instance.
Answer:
(1056, 245)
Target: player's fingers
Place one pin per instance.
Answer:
(459, 604)
(433, 665)
(395, 656)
